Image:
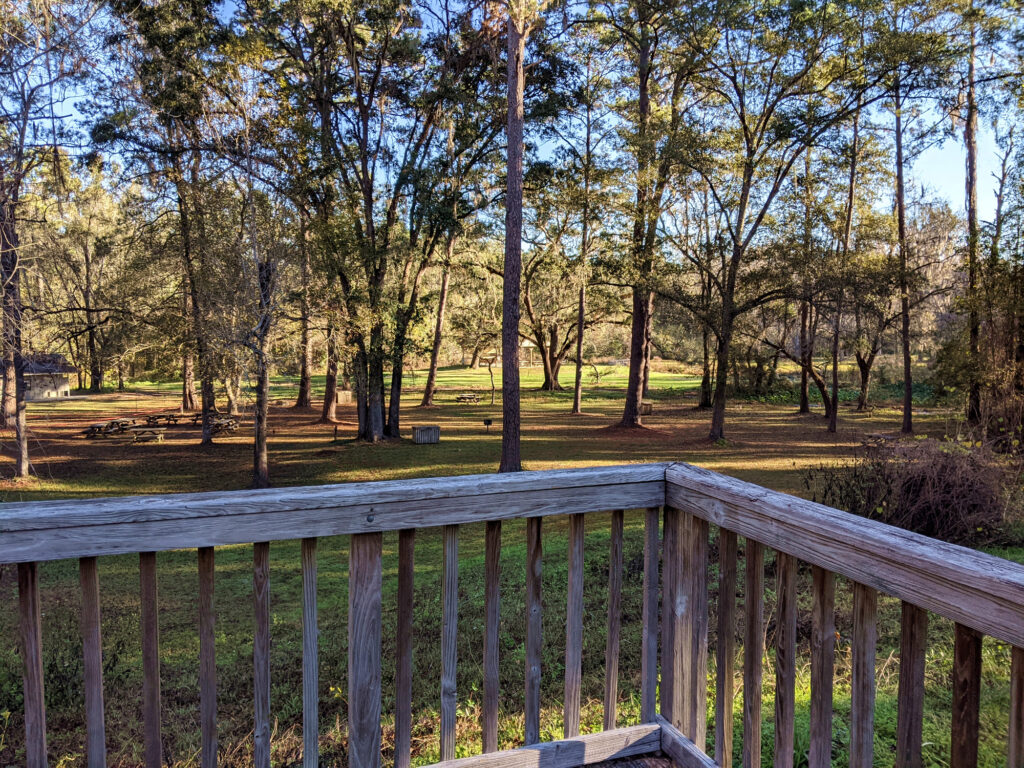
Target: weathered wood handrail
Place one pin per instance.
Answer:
(980, 593)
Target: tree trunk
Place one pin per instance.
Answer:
(305, 397)
(806, 358)
(474, 358)
(10, 274)
(904, 278)
(721, 375)
(973, 299)
(864, 364)
(643, 304)
(510, 428)
(374, 431)
(435, 352)
(95, 365)
(330, 391)
(231, 395)
(188, 383)
(705, 379)
(833, 415)
(577, 390)
(260, 463)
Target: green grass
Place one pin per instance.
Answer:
(769, 444)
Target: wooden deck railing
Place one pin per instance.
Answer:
(981, 594)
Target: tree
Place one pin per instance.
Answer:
(42, 55)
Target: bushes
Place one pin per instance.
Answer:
(940, 489)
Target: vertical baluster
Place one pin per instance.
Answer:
(649, 636)
(261, 655)
(403, 646)
(963, 752)
(92, 663)
(492, 611)
(449, 643)
(673, 604)
(364, 649)
(753, 609)
(310, 659)
(207, 660)
(862, 695)
(150, 660)
(533, 629)
(725, 652)
(785, 659)
(696, 629)
(1015, 747)
(574, 629)
(910, 697)
(823, 643)
(611, 651)
(32, 661)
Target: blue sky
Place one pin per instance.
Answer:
(941, 169)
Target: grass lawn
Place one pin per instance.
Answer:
(768, 444)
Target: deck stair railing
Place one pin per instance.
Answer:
(983, 595)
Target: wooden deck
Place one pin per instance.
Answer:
(984, 595)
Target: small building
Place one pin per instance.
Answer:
(47, 377)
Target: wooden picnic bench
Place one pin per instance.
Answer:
(197, 418)
(228, 425)
(147, 434)
(107, 428)
(168, 418)
(467, 397)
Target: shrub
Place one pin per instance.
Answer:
(946, 490)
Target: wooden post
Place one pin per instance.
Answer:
(823, 643)
(30, 615)
(533, 629)
(1015, 747)
(785, 660)
(862, 695)
(753, 609)
(492, 612)
(611, 651)
(910, 697)
(695, 629)
(403, 648)
(150, 660)
(725, 652)
(649, 637)
(574, 629)
(207, 660)
(92, 662)
(963, 752)
(449, 641)
(261, 655)
(673, 633)
(364, 648)
(310, 658)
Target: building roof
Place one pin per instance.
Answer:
(44, 364)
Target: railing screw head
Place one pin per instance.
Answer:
(369, 518)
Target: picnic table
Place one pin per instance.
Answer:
(168, 418)
(197, 418)
(228, 425)
(107, 428)
(147, 434)
(467, 397)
